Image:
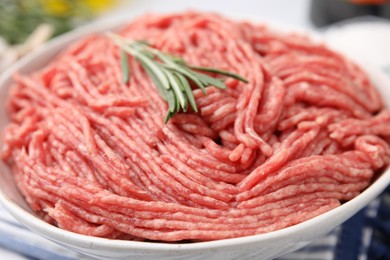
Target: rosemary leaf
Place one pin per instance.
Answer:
(176, 88)
(171, 75)
(190, 74)
(163, 91)
(171, 101)
(209, 81)
(188, 91)
(168, 116)
(220, 72)
(186, 88)
(125, 67)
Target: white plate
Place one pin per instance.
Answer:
(264, 246)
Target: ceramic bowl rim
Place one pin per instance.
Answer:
(75, 239)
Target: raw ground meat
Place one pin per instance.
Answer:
(93, 155)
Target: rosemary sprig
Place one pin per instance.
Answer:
(171, 75)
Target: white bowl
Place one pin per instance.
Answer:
(264, 246)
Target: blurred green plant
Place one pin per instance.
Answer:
(18, 18)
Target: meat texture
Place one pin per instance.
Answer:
(93, 155)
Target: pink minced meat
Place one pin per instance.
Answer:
(92, 155)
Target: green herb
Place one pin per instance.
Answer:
(171, 75)
(125, 67)
(19, 18)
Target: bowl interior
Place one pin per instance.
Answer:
(302, 233)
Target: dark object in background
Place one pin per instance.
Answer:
(325, 12)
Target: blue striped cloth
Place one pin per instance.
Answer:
(350, 241)
(364, 236)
